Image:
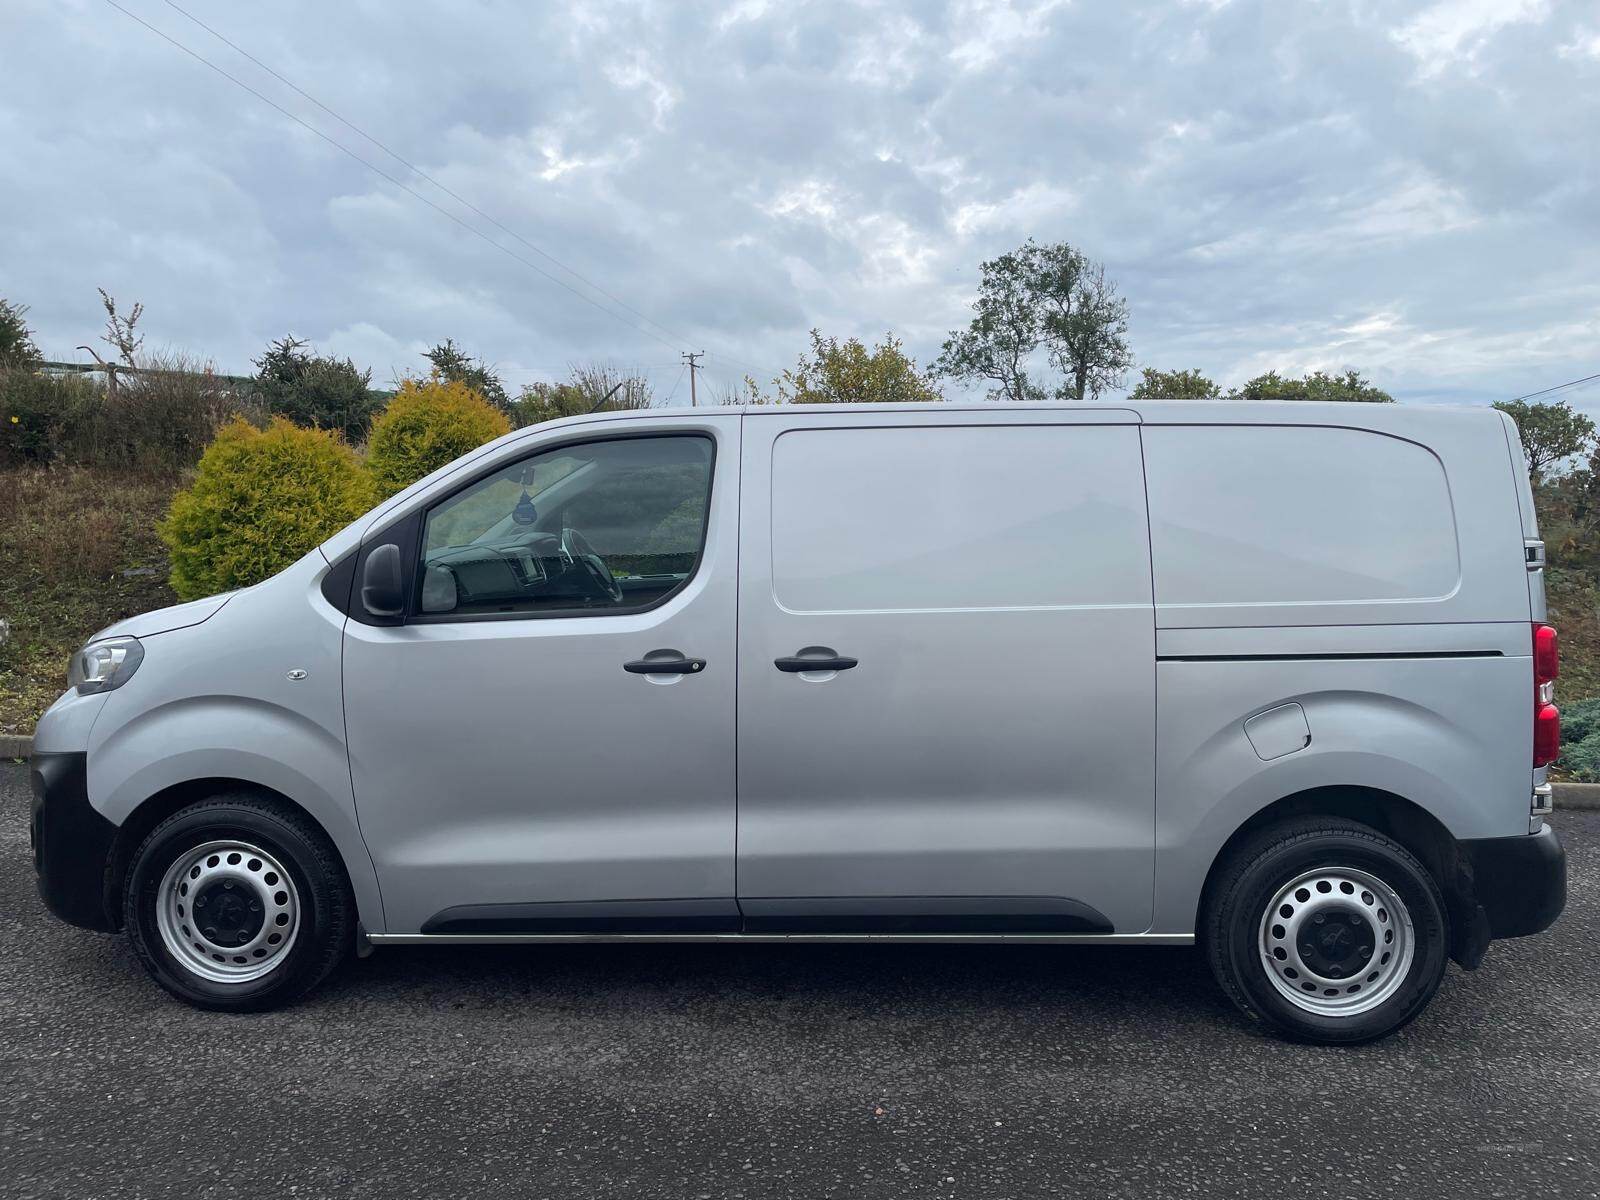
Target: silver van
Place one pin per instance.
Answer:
(1273, 680)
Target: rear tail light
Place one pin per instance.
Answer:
(1546, 735)
(1546, 717)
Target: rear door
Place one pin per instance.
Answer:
(946, 679)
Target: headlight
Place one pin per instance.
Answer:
(105, 665)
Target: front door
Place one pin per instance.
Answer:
(544, 741)
(946, 688)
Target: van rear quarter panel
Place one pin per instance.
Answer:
(1420, 687)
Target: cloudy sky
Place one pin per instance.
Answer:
(1413, 190)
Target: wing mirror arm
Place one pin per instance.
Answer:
(381, 592)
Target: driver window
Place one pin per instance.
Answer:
(600, 526)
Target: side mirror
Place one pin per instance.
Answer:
(381, 594)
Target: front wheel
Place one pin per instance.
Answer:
(1327, 930)
(238, 903)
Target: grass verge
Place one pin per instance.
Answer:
(78, 550)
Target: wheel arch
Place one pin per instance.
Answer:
(171, 799)
(1419, 831)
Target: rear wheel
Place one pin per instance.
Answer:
(1327, 930)
(238, 903)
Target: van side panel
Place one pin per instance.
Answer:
(1366, 566)
(1450, 734)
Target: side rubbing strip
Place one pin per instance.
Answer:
(921, 914)
(1326, 657)
(605, 916)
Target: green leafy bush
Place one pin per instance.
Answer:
(261, 499)
(46, 418)
(327, 393)
(451, 362)
(427, 425)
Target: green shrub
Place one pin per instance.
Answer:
(1581, 762)
(165, 416)
(260, 500)
(160, 419)
(327, 393)
(1579, 719)
(1580, 741)
(47, 418)
(16, 339)
(427, 425)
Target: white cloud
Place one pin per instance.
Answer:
(638, 72)
(1455, 30)
(1036, 206)
(1586, 44)
(992, 29)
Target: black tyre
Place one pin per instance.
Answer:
(1327, 930)
(238, 903)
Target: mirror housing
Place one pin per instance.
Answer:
(381, 591)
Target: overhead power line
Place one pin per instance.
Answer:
(377, 170)
(668, 398)
(420, 173)
(1560, 387)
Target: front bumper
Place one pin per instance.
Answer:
(71, 842)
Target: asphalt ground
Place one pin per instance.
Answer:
(770, 1070)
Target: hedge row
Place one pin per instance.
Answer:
(149, 422)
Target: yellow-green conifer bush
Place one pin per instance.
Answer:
(261, 498)
(428, 424)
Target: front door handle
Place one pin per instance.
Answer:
(796, 663)
(670, 663)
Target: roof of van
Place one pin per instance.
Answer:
(1154, 412)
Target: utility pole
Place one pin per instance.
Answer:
(693, 359)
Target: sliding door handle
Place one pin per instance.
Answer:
(796, 663)
(670, 663)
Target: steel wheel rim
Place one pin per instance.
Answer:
(227, 911)
(1313, 934)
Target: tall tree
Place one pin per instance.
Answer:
(1050, 297)
(455, 365)
(1550, 432)
(847, 372)
(1173, 385)
(1085, 322)
(1004, 332)
(1349, 387)
(16, 339)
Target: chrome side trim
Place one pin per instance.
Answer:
(1058, 939)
